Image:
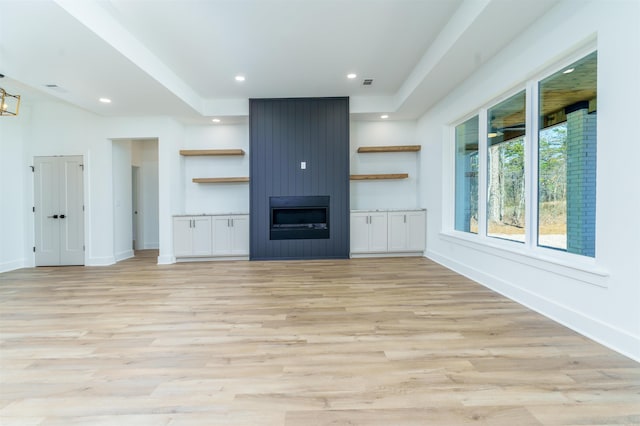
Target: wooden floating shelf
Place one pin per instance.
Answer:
(201, 152)
(221, 180)
(396, 148)
(380, 176)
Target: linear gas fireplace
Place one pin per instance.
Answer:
(299, 217)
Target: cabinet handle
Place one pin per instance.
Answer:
(232, 223)
(405, 218)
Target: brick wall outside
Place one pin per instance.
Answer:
(581, 182)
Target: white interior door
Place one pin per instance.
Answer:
(47, 211)
(59, 213)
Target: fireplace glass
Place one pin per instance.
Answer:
(299, 217)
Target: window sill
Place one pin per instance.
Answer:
(569, 265)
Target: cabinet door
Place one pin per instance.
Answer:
(359, 232)
(201, 236)
(221, 235)
(416, 230)
(378, 232)
(182, 238)
(406, 231)
(240, 235)
(397, 231)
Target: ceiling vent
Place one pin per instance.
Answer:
(56, 88)
(367, 82)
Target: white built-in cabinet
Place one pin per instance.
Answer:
(388, 233)
(192, 236)
(231, 235)
(211, 236)
(406, 231)
(369, 232)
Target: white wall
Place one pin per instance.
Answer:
(216, 198)
(122, 200)
(52, 128)
(383, 194)
(12, 192)
(58, 129)
(170, 137)
(599, 298)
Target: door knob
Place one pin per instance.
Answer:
(55, 216)
(61, 216)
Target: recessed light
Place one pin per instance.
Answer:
(568, 71)
(239, 77)
(384, 116)
(351, 76)
(105, 100)
(216, 120)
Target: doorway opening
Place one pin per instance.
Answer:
(135, 197)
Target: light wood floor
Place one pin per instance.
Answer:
(358, 342)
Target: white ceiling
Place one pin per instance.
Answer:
(179, 58)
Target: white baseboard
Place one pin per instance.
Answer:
(12, 265)
(605, 334)
(210, 259)
(151, 246)
(101, 261)
(166, 260)
(127, 254)
(387, 254)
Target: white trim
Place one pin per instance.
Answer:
(387, 254)
(166, 260)
(210, 259)
(565, 264)
(101, 261)
(12, 265)
(531, 248)
(531, 167)
(483, 173)
(127, 254)
(617, 339)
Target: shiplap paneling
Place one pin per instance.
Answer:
(283, 133)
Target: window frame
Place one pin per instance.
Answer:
(584, 268)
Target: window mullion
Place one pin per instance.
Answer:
(482, 173)
(531, 166)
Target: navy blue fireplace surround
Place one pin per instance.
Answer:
(299, 186)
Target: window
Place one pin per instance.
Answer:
(467, 176)
(567, 158)
(559, 192)
(505, 169)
